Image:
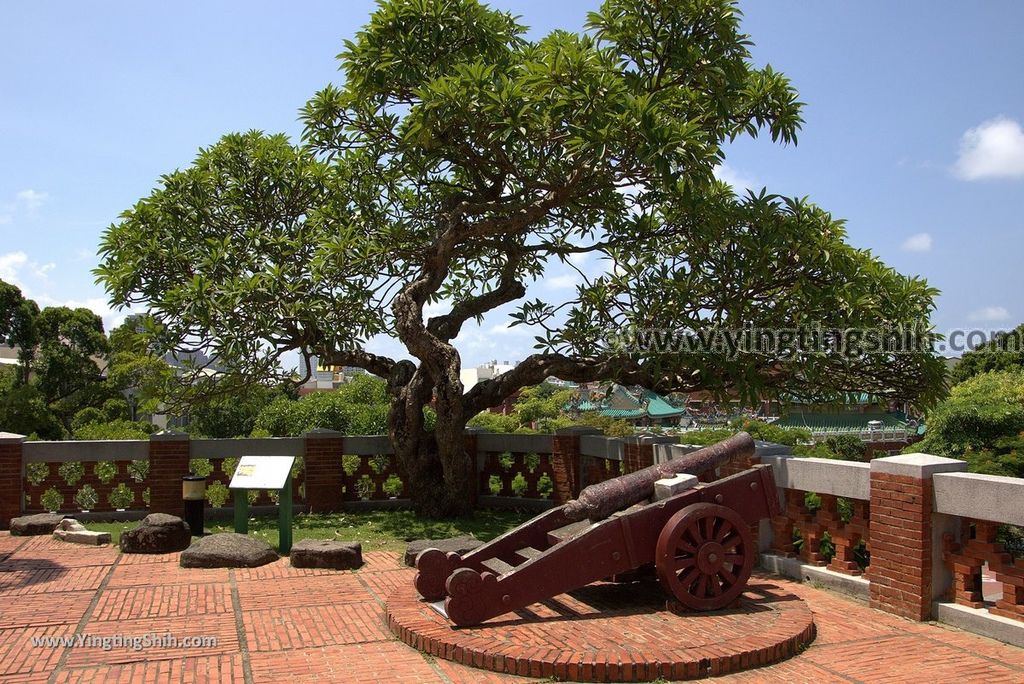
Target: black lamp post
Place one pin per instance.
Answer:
(193, 491)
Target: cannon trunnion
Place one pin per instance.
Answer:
(698, 541)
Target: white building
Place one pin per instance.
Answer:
(471, 376)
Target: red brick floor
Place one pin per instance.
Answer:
(279, 624)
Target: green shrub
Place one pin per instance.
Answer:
(393, 485)
(494, 484)
(138, 470)
(545, 486)
(36, 473)
(52, 500)
(519, 485)
(506, 461)
(217, 494)
(380, 463)
(121, 496)
(86, 498)
(532, 461)
(145, 496)
(114, 429)
(72, 472)
(228, 465)
(105, 471)
(200, 466)
(365, 487)
(350, 464)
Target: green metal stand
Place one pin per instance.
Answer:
(284, 514)
(241, 511)
(284, 517)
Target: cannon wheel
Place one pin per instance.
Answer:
(705, 555)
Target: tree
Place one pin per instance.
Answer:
(18, 326)
(455, 164)
(1005, 351)
(71, 342)
(981, 422)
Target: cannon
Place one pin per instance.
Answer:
(697, 541)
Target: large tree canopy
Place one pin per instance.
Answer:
(459, 160)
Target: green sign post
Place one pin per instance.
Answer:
(264, 472)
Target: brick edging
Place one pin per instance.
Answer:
(792, 629)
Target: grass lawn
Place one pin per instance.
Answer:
(377, 530)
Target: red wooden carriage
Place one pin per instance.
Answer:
(699, 542)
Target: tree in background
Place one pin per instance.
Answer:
(981, 422)
(458, 161)
(1005, 351)
(356, 408)
(71, 344)
(17, 326)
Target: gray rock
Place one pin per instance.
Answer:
(228, 550)
(157, 533)
(326, 553)
(32, 525)
(460, 545)
(70, 530)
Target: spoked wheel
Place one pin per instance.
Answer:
(705, 556)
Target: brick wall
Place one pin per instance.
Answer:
(10, 477)
(169, 455)
(324, 476)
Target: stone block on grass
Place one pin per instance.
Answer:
(327, 553)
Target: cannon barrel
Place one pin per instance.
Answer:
(598, 501)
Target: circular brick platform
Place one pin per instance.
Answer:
(609, 632)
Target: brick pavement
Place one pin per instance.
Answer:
(281, 624)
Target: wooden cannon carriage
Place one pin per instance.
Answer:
(698, 541)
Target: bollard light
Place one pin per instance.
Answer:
(193, 491)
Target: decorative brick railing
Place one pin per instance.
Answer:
(331, 471)
(929, 527)
(822, 500)
(981, 504)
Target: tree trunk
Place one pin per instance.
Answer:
(438, 471)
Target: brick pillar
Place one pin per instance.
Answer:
(566, 461)
(639, 451)
(169, 453)
(11, 496)
(324, 474)
(907, 572)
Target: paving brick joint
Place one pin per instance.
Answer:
(278, 624)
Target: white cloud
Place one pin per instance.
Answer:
(990, 314)
(31, 199)
(918, 242)
(737, 179)
(10, 265)
(579, 258)
(995, 149)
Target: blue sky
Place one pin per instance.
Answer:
(913, 128)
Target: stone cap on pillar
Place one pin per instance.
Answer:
(918, 466)
(651, 439)
(323, 433)
(11, 438)
(169, 436)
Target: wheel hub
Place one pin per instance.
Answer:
(710, 558)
